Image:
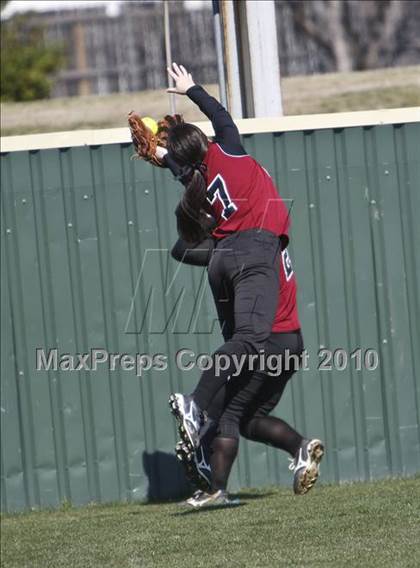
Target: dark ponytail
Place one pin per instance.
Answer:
(188, 145)
(192, 221)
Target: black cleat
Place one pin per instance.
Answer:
(190, 419)
(305, 465)
(196, 465)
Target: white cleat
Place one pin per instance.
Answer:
(305, 465)
(219, 498)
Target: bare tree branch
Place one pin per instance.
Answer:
(307, 26)
(338, 37)
(355, 33)
(386, 37)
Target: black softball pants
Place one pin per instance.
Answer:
(255, 395)
(244, 278)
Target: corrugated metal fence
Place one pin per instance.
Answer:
(76, 225)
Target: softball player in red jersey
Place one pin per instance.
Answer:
(250, 398)
(251, 229)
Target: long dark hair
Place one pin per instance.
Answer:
(188, 145)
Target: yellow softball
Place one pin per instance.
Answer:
(150, 123)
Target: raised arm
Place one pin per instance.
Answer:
(226, 131)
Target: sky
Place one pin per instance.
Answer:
(40, 5)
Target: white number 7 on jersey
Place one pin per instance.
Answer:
(218, 190)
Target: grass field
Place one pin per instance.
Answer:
(363, 524)
(333, 92)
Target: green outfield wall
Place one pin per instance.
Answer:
(85, 234)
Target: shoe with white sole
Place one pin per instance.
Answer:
(219, 498)
(190, 419)
(305, 465)
(195, 496)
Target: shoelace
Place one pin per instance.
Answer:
(292, 464)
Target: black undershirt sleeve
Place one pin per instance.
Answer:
(169, 162)
(226, 131)
(195, 254)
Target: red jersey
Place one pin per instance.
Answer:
(242, 194)
(286, 318)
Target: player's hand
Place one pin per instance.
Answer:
(183, 79)
(160, 152)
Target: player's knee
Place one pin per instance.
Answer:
(178, 251)
(246, 429)
(228, 429)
